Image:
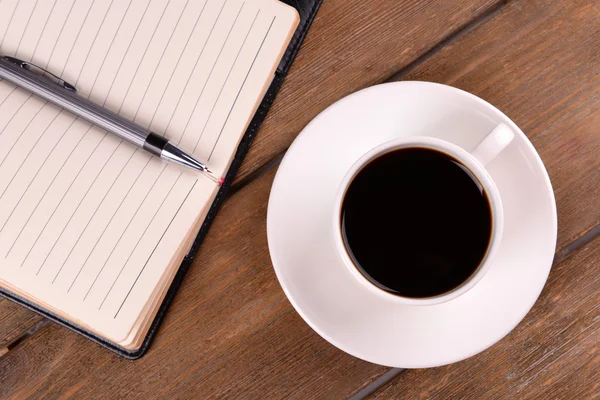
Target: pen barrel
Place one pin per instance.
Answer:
(70, 101)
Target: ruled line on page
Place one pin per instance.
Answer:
(26, 26)
(54, 211)
(23, 162)
(154, 249)
(60, 34)
(37, 172)
(137, 28)
(9, 24)
(43, 30)
(112, 42)
(123, 233)
(7, 97)
(96, 210)
(240, 90)
(57, 174)
(143, 57)
(89, 220)
(177, 65)
(57, 206)
(50, 185)
(23, 131)
(139, 240)
(93, 43)
(224, 84)
(76, 209)
(13, 116)
(76, 37)
(161, 59)
(27, 158)
(193, 70)
(59, 203)
(105, 228)
(211, 71)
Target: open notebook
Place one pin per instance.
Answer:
(93, 229)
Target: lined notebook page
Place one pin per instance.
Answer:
(89, 223)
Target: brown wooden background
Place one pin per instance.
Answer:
(231, 333)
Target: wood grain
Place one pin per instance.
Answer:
(352, 45)
(553, 354)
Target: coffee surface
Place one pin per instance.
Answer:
(416, 222)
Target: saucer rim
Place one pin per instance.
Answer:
(492, 111)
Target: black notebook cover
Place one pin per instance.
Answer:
(307, 10)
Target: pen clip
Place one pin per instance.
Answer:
(28, 66)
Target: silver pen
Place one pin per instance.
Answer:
(64, 95)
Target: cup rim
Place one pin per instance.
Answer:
(475, 167)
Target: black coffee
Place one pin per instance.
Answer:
(416, 222)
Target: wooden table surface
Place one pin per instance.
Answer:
(232, 333)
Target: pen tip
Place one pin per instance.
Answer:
(212, 177)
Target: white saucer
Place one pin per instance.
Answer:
(320, 286)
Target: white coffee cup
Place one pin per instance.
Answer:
(490, 147)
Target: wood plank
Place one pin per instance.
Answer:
(352, 45)
(341, 43)
(554, 353)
